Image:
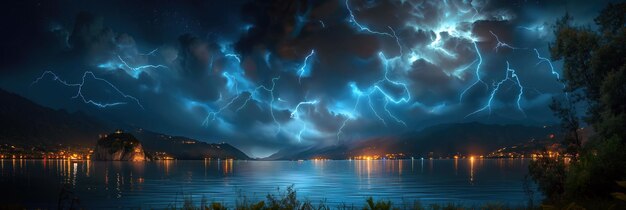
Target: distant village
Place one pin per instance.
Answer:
(530, 149)
(71, 152)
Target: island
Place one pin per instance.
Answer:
(119, 146)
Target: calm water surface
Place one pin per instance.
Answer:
(37, 183)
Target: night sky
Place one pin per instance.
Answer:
(264, 75)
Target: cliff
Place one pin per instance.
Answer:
(119, 146)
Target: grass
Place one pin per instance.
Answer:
(288, 200)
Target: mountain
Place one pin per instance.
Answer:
(470, 138)
(335, 152)
(27, 124)
(439, 140)
(186, 148)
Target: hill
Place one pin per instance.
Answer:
(439, 141)
(469, 138)
(186, 148)
(28, 125)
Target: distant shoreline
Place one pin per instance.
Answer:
(213, 159)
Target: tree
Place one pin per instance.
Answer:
(549, 174)
(594, 69)
(570, 123)
(594, 63)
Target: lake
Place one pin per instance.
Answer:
(159, 184)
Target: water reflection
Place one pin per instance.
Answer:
(228, 166)
(456, 166)
(166, 165)
(156, 183)
(74, 173)
(88, 171)
(471, 159)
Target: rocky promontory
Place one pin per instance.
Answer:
(119, 146)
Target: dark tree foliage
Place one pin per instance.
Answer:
(549, 174)
(594, 69)
(570, 122)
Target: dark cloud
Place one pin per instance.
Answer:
(235, 71)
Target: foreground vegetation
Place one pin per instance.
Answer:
(592, 113)
(288, 200)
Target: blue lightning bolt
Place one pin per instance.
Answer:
(139, 68)
(386, 78)
(304, 69)
(375, 112)
(231, 82)
(261, 87)
(295, 115)
(130, 70)
(451, 29)
(542, 59)
(440, 50)
(458, 72)
(391, 115)
(376, 88)
(212, 115)
(235, 56)
(436, 44)
(532, 28)
(361, 27)
(502, 44)
(513, 78)
(271, 90)
(478, 79)
(397, 40)
(388, 98)
(151, 53)
(366, 29)
(79, 93)
(358, 93)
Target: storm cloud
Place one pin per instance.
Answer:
(265, 75)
